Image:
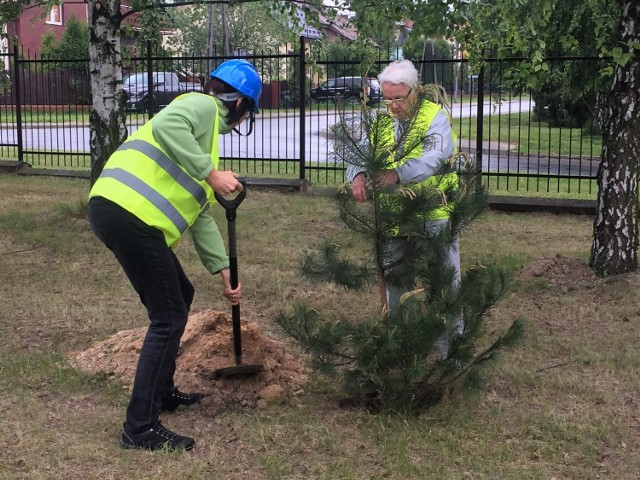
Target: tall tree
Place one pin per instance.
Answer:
(107, 120)
(74, 44)
(615, 236)
(248, 28)
(539, 28)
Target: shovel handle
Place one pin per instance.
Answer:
(230, 204)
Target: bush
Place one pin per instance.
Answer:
(74, 45)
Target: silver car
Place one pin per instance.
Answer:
(166, 87)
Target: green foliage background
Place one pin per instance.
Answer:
(74, 44)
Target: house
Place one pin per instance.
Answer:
(36, 21)
(330, 28)
(337, 28)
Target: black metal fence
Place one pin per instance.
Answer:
(524, 141)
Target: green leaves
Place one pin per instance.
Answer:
(621, 54)
(10, 10)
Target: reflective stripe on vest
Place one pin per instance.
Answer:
(168, 166)
(417, 130)
(158, 201)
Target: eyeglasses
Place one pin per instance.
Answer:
(389, 101)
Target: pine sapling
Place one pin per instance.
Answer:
(407, 355)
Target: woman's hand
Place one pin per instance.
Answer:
(387, 177)
(359, 187)
(223, 182)
(233, 295)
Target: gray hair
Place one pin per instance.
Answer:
(400, 71)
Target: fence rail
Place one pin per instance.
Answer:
(524, 141)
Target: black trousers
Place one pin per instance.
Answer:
(164, 289)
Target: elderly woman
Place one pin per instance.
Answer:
(156, 187)
(433, 143)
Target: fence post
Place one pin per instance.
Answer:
(302, 69)
(18, 94)
(150, 99)
(480, 122)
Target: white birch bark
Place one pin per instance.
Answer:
(615, 234)
(107, 121)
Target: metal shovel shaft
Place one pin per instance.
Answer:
(238, 369)
(235, 309)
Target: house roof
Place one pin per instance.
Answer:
(341, 25)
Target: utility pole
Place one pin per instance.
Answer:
(433, 57)
(226, 50)
(211, 37)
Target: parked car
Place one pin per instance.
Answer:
(166, 87)
(348, 89)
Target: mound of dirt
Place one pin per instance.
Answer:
(566, 273)
(207, 345)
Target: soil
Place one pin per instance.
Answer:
(207, 345)
(566, 273)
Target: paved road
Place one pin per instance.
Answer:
(506, 161)
(275, 133)
(276, 136)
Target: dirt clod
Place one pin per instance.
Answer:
(207, 345)
(563, 272)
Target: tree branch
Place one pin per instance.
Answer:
(554, 366)
(202, 2)
(21, 251)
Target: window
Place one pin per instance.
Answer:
(55, 15)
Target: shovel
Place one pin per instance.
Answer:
(239, 369)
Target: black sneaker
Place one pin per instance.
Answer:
(156, 437)
(178, 398)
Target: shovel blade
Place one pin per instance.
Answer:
(238, 371)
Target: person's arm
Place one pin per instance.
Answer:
(438, 147)
(211, 251)
(184, 129)
(209, 244)
(353, 171)
(357, 177)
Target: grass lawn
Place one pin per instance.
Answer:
(526, 135)
(561, 405)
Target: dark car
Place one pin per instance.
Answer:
(348, 89)
(166, 87)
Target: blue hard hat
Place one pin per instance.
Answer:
(243, 76)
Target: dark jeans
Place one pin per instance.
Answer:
(166, 292)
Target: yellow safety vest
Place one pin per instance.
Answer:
(420, 126)
(144, 180)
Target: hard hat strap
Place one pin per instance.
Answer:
(252, 120)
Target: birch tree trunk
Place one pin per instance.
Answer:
(107, 121)
(615, 233)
